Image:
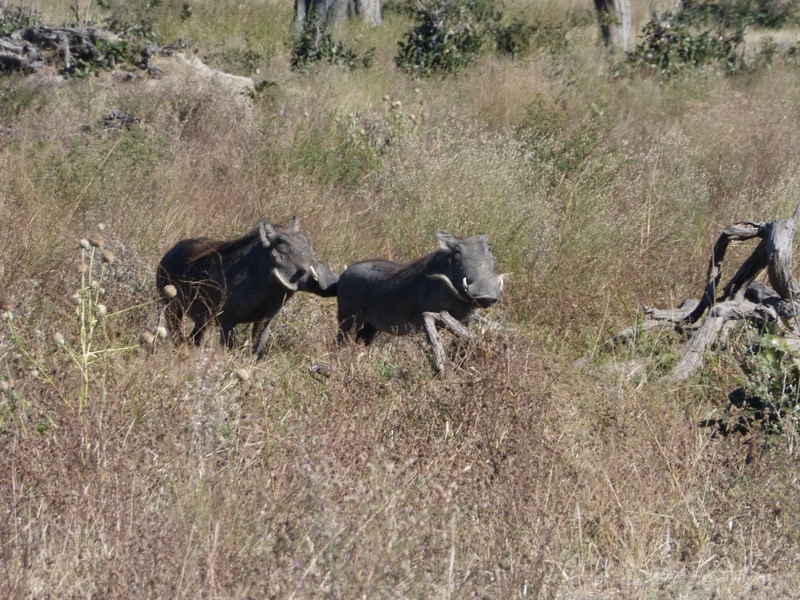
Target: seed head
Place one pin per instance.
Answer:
(85, 244)
(58, 338)
(386, 98)
(94, 284)
(102, 310)
(76, 298)
(108, 256)
(5, 304)
(147, 338)
(170, 291)
(82, 267)
(243, 374)
(101, 226)
(96, 241)
(161, 332)
(4, 386)
(397, 105)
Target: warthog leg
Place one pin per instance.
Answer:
(174, 318)
(259, 337)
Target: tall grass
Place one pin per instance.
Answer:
(171, 471)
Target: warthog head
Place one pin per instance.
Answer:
(295, 266)
(470, 273)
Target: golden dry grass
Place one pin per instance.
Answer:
(168, 471)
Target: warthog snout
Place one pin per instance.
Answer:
(484, 292)
(318, 279)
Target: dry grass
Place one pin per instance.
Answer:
(164, 471)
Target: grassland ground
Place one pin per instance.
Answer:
(539, 466)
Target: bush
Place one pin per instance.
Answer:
(315, 44)
(671, 45)
(707, 32)
(449, 35)
(16, 19)
(769, 397)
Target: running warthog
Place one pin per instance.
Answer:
(446, 286)
(246, 280)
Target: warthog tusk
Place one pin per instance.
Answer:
(289, 286)
(502, 278)
(314, 275)
(466, 285)
(449, 285)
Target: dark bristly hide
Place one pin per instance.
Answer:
(246, 280)
(454, 281)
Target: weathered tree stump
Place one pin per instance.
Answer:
(741, 299)
(27, 50)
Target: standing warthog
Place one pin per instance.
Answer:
(246, 280)
(446, 286)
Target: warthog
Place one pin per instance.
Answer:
(246, 280)
(446, 286)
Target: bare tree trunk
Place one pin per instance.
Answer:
(615, 22)
(332, 13)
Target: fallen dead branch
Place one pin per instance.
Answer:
(742, 299)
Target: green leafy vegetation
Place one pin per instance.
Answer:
(448, 36)
(706, 32)
(315, 44)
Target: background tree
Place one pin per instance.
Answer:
(615, 22)
(332, 13)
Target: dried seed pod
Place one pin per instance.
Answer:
(96, 241)
(170, 291)
(108, 256)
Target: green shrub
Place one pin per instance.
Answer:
(449, 35)
(669, 46)
(15, 19)
(708, 32)
(315, 44)
(770, 390)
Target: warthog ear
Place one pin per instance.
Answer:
(447, 241)
(293, 224)
(267, 232)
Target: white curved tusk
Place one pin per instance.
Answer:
(502, 278)
(289, 286)
(314, 275)
(449, 285)
(465, 284)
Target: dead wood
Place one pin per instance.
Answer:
(430, 319)
(28, 50)
(742, 299)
